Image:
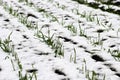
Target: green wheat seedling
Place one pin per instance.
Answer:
(45, 13)
(61, 6)
(62, 21)
(10, 9)
(90, 17)
(33, 76)
(84, 67)
(30, 25)
(22, 76)
(41, 10)
(82, 32)
(27, 76)
(47, 39)
(27, 23)
(77, 11)
(98, 40)
(90, 75)
(118, 32)
(16, 60)
(73, 58)
(12, 62)
(115, 54)
(23, 19)
(103, 25)
(13, 65)
(94, 41)
(72, 28)
(29, 3)
(55, 44)
(87, 72)
(84, 14)
(110, 27)
(98, 21)
(99, 31)
(18, 63)
(54, 18)
(51, 17)
(58, 48)
(107, 26)
(5, 45)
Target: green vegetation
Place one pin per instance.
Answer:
(53, 41)
(5, 45)
(96, 5)
(55, 44)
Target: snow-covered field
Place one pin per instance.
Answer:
(58, 40)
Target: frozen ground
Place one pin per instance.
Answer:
(88, 37)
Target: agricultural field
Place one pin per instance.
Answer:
(59, 39)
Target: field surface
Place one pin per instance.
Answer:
(59, 39)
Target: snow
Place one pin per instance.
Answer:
(33, 53)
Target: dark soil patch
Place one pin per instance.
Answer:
(32, 15)
(81, 46)
(108, 64)
(18, 30)
(24, 36)
(57, 71)
(0, 69)
(89, 51)
(104, 39)
(67, 40)
(42, 53)
(117, 74)
(32, 70)
(113, 69)
(97, 58)
(7, 20)
(112, 46)
(65, 79)
(19, 48)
